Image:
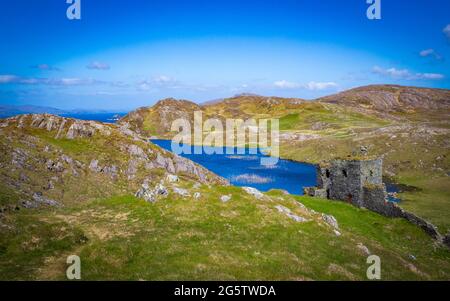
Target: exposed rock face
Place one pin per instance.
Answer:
(39, 200)
(253, 191)
(289, 214)
(181, 191)
(152, 195)
(331, 220)
(94, 158)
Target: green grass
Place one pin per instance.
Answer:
(244, 239)
(431, 200)
(332, 117)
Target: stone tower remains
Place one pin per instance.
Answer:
(359, 182)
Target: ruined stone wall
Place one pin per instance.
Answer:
(372, 172)
(361, 184)
(375, 200)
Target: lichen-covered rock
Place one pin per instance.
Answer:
(254, 192)
(330, 220)
(93, 166)
(152, 195)
(225, 198)
(138, 152)
(289, 214)
(181, 191)
(132, 169)
(172, 178)
(39, 200)
(363, 249)
(19, 157)
(80, 129)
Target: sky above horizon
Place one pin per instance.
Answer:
(126, 54)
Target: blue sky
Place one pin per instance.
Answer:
(126, 54)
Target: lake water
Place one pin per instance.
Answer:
(246, 170)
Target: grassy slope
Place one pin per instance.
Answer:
(126, 238)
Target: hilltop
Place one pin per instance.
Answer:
(157, 120)
(392, 100)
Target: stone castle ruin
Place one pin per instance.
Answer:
(360, 183)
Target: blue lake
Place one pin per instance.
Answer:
(246, 170)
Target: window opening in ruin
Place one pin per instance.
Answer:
(328, 193)
(345, 173)
(327, 173)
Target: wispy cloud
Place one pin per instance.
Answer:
(284, 84)
(446, 31)
(161, 81)
(321, 86)
(98, 66)
(405, 74)
(67, 81)
(45, 67)
(431, 53)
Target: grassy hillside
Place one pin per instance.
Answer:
(244, 239)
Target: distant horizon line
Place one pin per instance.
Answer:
(212, 101)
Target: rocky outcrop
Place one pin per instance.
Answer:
(286, 211)
(160, 116)
(254, 192)
(63, 155)
(38, 200)
(330, 220)
(151, 195)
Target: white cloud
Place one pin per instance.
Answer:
(98, 66)
(144, 86)
(163, 79)
(430, 52)
(405, 74)
(283, 84)
(446, 31)
(321, 86)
